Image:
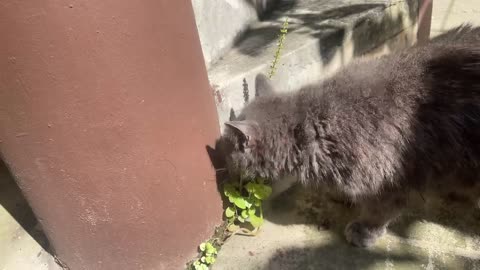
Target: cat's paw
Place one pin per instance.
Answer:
(360, 235)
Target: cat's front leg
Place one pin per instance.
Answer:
(374, 218)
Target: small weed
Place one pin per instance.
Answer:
(208, 253)
(245, 214)
(281, 39)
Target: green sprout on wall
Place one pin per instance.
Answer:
(281, 39)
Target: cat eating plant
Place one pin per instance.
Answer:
(373, 132)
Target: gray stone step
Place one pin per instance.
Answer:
(323, 35)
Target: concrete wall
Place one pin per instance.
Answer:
(221, 22)
(105, 112)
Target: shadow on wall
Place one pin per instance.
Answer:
(325, 21)
(263, 7)
(12, 200)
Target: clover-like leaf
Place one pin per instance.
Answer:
(231, 192)
(210, 249)
(257, 202)
(256, 221)
(202, 267)
(244, 214)
(260, 191)
(202, 246)
(210, 260)
(242, 203)
(230, 212)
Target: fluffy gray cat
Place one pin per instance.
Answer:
(376, 130)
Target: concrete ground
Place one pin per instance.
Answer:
(304, 230)
(450, 13)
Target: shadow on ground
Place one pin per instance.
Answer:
(334, 255)
(441, 232)
(12, 200)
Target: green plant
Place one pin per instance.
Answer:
(245, 214)
(281, 39)
(208, 253)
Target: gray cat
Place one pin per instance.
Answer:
(373, 132)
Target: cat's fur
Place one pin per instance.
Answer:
(374, 131)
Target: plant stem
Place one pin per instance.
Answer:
(281, 39)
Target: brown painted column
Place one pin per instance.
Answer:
(424, 21)
(105, 111)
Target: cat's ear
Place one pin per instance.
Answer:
(263, 86)
(249, 130)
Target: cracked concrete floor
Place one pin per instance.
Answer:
(305, 231)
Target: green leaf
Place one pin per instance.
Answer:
(202, 259)
(202, 267)
(244, 214)
(251, 211)
(210, 248)
(210, 260)
(230, 212)
(257, 202)
(231, 192)
(256, 221)
(202, 246)
(260, 191)
(241, 219)
(242, 203)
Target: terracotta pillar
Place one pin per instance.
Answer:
(424, 21)
(105, 111)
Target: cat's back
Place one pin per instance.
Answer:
(409, 72)
(463, 34)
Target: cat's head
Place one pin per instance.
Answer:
(255, 144)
